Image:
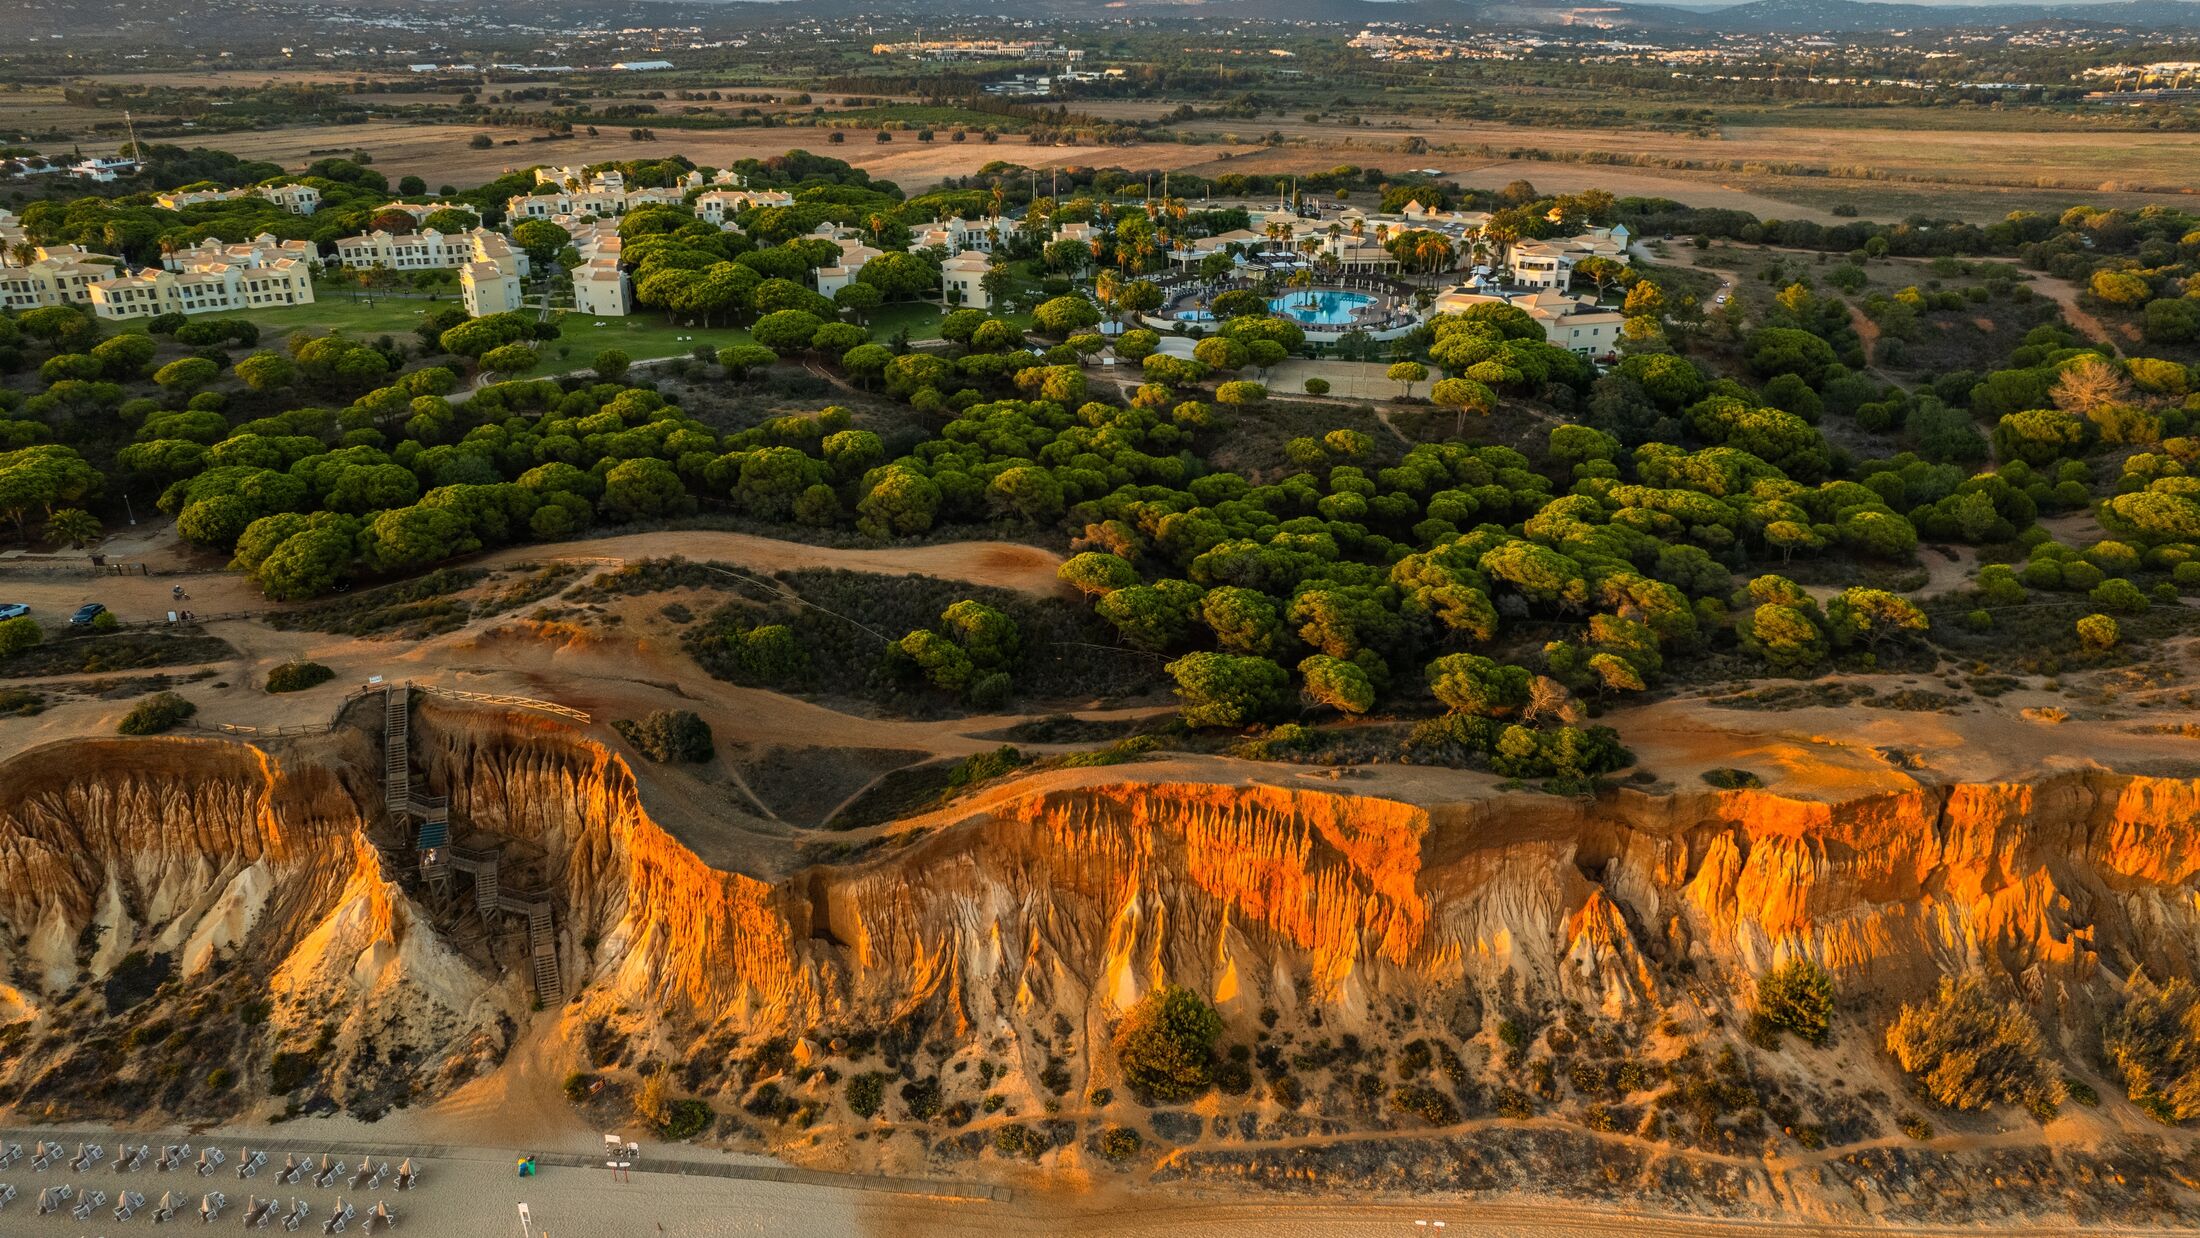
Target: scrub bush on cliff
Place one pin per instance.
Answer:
(1166, 1045)
(1971, 1049)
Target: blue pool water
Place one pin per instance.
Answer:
(1321, 309)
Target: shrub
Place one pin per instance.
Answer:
(2098, 632)
(1317, 386)
(156, 713)
(578, 1085)
(298, 676)
(685, 1119)
(1728, 778)
(219, 1079)
(866, 1093)
(922, 1098)
(1797, 996)
(1972, 1050)
(1426, 1103)
(1166, 1044)
(1916, 1127)
(2153, 1044)
(669, 735)
(289, 1070)
(1120, 1143)
(19, 634)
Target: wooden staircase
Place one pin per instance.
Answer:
(439, 856)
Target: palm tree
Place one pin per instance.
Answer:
(1431, 251)
(72, 526)
(24, 253)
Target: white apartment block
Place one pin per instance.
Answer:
(1550, 264)
(297, 199)
(612, 180)
(204, 288)
(1577, 326)
(490, 279)
(719, 206)
(853, 254)
(418, 210)
(420, 251)
(56, 275)
(956, 234)
(962, 281)
(601, 203)
(601, 287)
(262, 250)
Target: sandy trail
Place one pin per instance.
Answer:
(67, 582)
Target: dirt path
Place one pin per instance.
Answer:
(53, 594)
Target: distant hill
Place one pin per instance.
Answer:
(1805, 16)
(1752, 17)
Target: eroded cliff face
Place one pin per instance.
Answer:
(151, 887)
(1262, 897)
(176, 907)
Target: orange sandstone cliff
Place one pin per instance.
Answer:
(256, 903)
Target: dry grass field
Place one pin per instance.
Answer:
(1769, 165)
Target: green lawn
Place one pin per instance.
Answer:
(640, 336)
(336, 311)
(922, 321)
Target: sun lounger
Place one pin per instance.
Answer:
(330, 1170)
(366, 1171)
(379, 1219)
(45, 1154)
(87, 1155)
(88, 1205)
(339, 1218)
(128, 1205)
(250, 1165)
(7, 1194)
(52, 1198)
(171, 1156)
(257, 1211)
(210, 1159)
(293, 1169)
(407, 1176)
(299, 1211)
(171, 1203)
(381, 1172)
(211, 1205)
(130, 1160)
(10, 1153)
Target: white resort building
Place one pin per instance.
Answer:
(490, 278)
(297, 199)
(962, 281)
(419, 251)
(55, 275)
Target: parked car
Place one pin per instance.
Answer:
(85, 614)
(13, 610)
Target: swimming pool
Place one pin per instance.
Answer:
(1321, 309)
